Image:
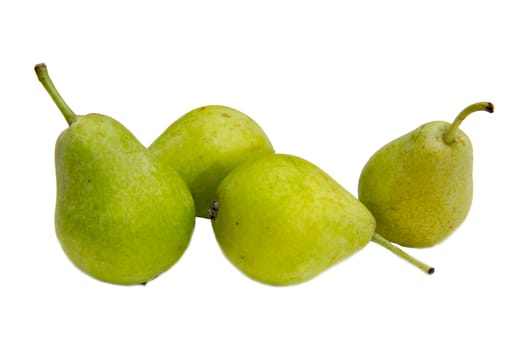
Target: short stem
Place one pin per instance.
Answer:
(43, 77)
(450, 135)
(402, 254)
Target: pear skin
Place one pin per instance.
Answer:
(119, 217)
(419, 186)
(205, 144)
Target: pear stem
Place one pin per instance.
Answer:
(450, 135)
(43, 77)
(402, 254)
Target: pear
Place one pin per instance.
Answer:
(282, 221)
(120, 216)
(419, 186)
(205, 144)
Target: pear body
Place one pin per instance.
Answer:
(419, 188)
(281, 220)
(120, 217)
(204, 145)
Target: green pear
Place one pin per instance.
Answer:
(282, 221)
(419, 186)
(205, 144)
(120, 216)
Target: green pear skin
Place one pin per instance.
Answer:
(205, 144)
(282, 221)
(119, 217)
(419, 187)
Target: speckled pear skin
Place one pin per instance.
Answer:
(205, 144)
(282, 221)
(120, 217)
(419, 188)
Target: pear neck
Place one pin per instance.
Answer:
(43, 77)
(450, 135)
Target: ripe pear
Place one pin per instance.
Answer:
(419, 186)
(282, 221)
(120, 216)
(205, 144)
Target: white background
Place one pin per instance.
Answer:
(330, 81)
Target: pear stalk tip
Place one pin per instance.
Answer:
(39, 66)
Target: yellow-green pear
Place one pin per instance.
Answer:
(419, 186)
(120, 216)
(281, 221)
(205, 144)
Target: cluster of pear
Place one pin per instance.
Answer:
(125, 213)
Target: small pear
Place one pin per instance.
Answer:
(205, 144)
(120, 216)
(419, 186)
(282, 221)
